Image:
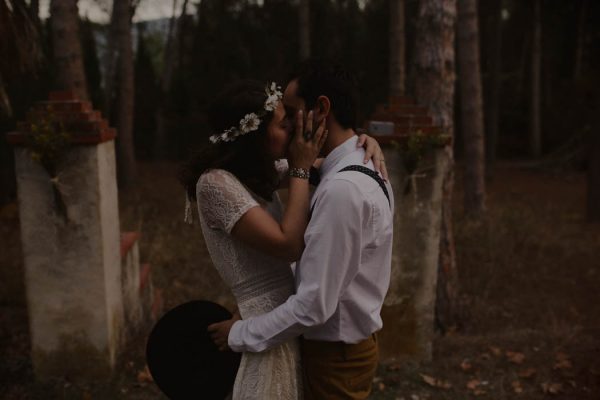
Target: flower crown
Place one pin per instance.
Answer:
(251, 121)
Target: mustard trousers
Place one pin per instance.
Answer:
(336, 370)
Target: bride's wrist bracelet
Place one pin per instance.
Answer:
(301, 173)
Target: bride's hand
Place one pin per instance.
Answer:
(373, 152)
(219, 332)
(306, 146)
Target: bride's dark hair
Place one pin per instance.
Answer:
(247, 156)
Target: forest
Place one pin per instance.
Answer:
(514, 85)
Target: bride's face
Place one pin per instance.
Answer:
(278, 133)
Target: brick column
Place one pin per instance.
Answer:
(408, 312)
(72, 262)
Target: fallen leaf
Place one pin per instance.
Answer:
(562, 364)
(517, 388)
(527, 373)
(473, 384)
(466, 365)
(444, 385)
(551, 388)
(515, 357)
(496, 351)
(562, 361)
(430, 380)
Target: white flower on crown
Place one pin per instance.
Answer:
(249, 123)
(271, 103)
(273, 96)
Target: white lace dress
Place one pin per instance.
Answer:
(259, 283)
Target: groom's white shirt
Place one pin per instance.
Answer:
(344, 272)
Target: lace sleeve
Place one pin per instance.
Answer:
(222, 199)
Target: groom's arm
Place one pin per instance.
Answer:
(329, 262)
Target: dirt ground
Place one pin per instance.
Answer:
(530, 290)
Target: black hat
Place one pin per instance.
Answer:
(182, 358)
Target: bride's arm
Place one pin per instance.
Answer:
(285, 240)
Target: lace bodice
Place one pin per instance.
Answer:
(258, 281)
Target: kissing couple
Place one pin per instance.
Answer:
(307, 330)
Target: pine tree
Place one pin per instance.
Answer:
(471, 102)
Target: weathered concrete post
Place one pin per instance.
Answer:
(71, 244)
(408, 312)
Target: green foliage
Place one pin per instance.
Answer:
(417, 145)
(48, 141)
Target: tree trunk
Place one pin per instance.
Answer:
(6, 110)
(471, 107)
(304, 24)
(397, 48)
(536, 69)
(578, 65)
(67, 48)
(593, 201)
(126, 155)
(109, 61)
(34, 6)
(34, 10)
(7, 164)
(434, 89)
(161, 142)
(495, 73)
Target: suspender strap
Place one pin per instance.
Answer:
(366, 171)
(372, 174)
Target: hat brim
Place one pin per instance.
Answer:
(182, 358)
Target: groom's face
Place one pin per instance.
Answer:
(292, 102)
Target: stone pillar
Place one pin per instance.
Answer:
(408, 312)
(72, 257)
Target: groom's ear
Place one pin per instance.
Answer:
(322, 107)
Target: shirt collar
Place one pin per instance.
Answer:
(336, 156)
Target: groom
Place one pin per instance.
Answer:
(343, 274)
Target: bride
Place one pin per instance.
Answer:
(249, 236)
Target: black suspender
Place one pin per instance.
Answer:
(366, 171)
(372, 174)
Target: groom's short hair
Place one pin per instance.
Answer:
(319, 77)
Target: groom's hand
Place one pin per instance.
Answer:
(219, 332)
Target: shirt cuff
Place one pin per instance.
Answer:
(234, 339)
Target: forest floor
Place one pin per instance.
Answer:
(530, 288)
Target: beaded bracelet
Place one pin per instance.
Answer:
(301, 173)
